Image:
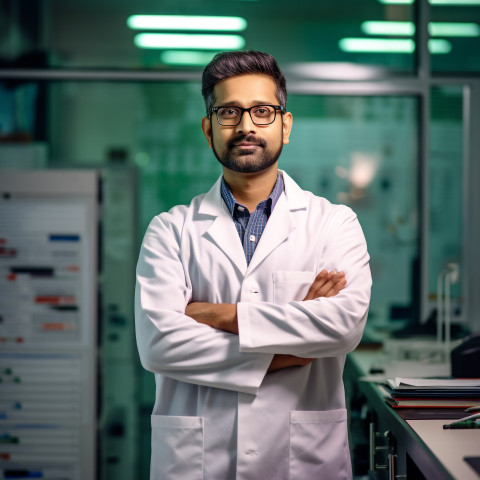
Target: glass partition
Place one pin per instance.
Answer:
(153, 126)
(363, 152)
(446, 193)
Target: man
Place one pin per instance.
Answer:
(239, 310)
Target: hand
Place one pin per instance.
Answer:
(222, 316)
(285, 361)
(326, 284)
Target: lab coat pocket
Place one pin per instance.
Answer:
(289, 286)
(177, 448)
(319, 445)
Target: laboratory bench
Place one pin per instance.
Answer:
(411, 444)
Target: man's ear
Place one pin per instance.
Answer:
(287, 126)
(207, 130)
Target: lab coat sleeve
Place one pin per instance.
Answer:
(173, 344)
(323, 327)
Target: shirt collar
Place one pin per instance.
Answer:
(230, 201)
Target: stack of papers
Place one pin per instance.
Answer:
(432, 392)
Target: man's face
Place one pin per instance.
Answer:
(246, 147)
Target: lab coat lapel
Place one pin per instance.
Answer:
(281, 222)
(222, 231)
(278, 228)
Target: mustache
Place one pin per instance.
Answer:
(246, 138)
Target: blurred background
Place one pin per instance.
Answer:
(100, 110)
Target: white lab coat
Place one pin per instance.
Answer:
(218, 415)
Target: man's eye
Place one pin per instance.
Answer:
(262, 112)
(228, 112)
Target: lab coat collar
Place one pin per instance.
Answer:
(296, 198)
(279, 226)
(213, 204)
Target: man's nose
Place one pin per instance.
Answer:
(246, 124)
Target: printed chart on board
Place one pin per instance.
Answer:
(47, 334)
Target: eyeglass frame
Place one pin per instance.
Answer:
(243, 110)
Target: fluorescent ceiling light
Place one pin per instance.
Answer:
(438, 29)
(396, 2)
(455, 2)
(380, 45)
(189, 41)
(432, 2)
(439, 46)
(186, 57)
(335, 70)
(386, 45)
(388, 28)
(186, 22)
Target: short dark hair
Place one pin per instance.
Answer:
(229, 64)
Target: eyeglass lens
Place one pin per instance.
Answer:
(260, 115)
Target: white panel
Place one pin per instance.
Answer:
(48, 324)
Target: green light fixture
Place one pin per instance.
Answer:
(454, 3)
(433, 2)
(186, 57)
(396, 2)
(438, 46)
(436, 29)
(386, 45)
(439, 29)
(377, 45)
(189, 41)
(186, 23)
(388, 28)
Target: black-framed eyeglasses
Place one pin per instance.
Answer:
(260, 114)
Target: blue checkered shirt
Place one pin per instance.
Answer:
(250, 226)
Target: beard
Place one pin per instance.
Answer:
(245, 161)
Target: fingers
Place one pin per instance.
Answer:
(326, 284)
(339, 283)
(320, 280)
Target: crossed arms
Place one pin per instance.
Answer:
(179, 342)
(223, 316)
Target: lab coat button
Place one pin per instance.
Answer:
(251, 452)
